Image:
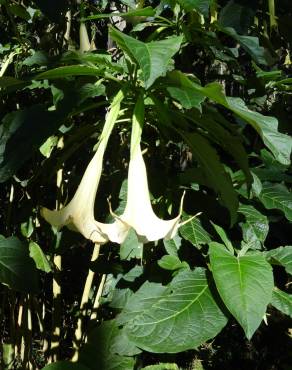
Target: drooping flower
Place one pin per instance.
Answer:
(138, 213)
(78, 214)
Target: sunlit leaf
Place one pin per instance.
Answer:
(153, 57)
(245, 284)
(183, 317)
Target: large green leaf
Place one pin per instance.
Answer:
(214, 171)
(250, 44)
(153, 57)
(236, 15)
(99, 353)
(141, 300)
(183, 317)
(277, 196)
(282, 301)
(281, 256)
(17, 269)
(267, 127)
(256, 227)
(245, 284)
(231, 143)
(194, 232)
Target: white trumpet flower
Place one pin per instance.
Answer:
(78, 215)
(138, 213)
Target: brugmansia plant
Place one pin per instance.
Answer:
(183, 113)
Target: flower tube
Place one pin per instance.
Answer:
(138, 213)
(78, 214)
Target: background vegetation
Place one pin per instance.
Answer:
(212, 79)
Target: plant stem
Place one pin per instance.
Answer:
(83, 304)
(57, 307)
(273, 22)
(97, 298)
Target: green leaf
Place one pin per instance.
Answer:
(194, 232)
(131, 247)
(172, 246)
(202, 6)
(256, 227)
(8, 81)
(282, 301)
(99, 353)
(214, 171)
(17, 269)
(122, 346)
(220, 231)
(277, 196)
(245, 284)
(68, 71)
(153, 57)
(250, 44)
(186, 97)
(39, 257)
(141, 300)
(267, 127)
(171, 263)
(182, 318)
(237, 16)
(19, 11)
(65, 365)
(230, 142)
(281, 256)
(144, 12)
(161, 366)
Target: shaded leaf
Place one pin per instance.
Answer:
(214, 171)
(16, 144)
(183, 317)
(202, 6)
(237, 16)
(250, 44)
(144, 12)
(282, 301)
(99, 351)
(281, 256)
(245, 284)
(267, 127)
(17, 269)
(68, 71)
